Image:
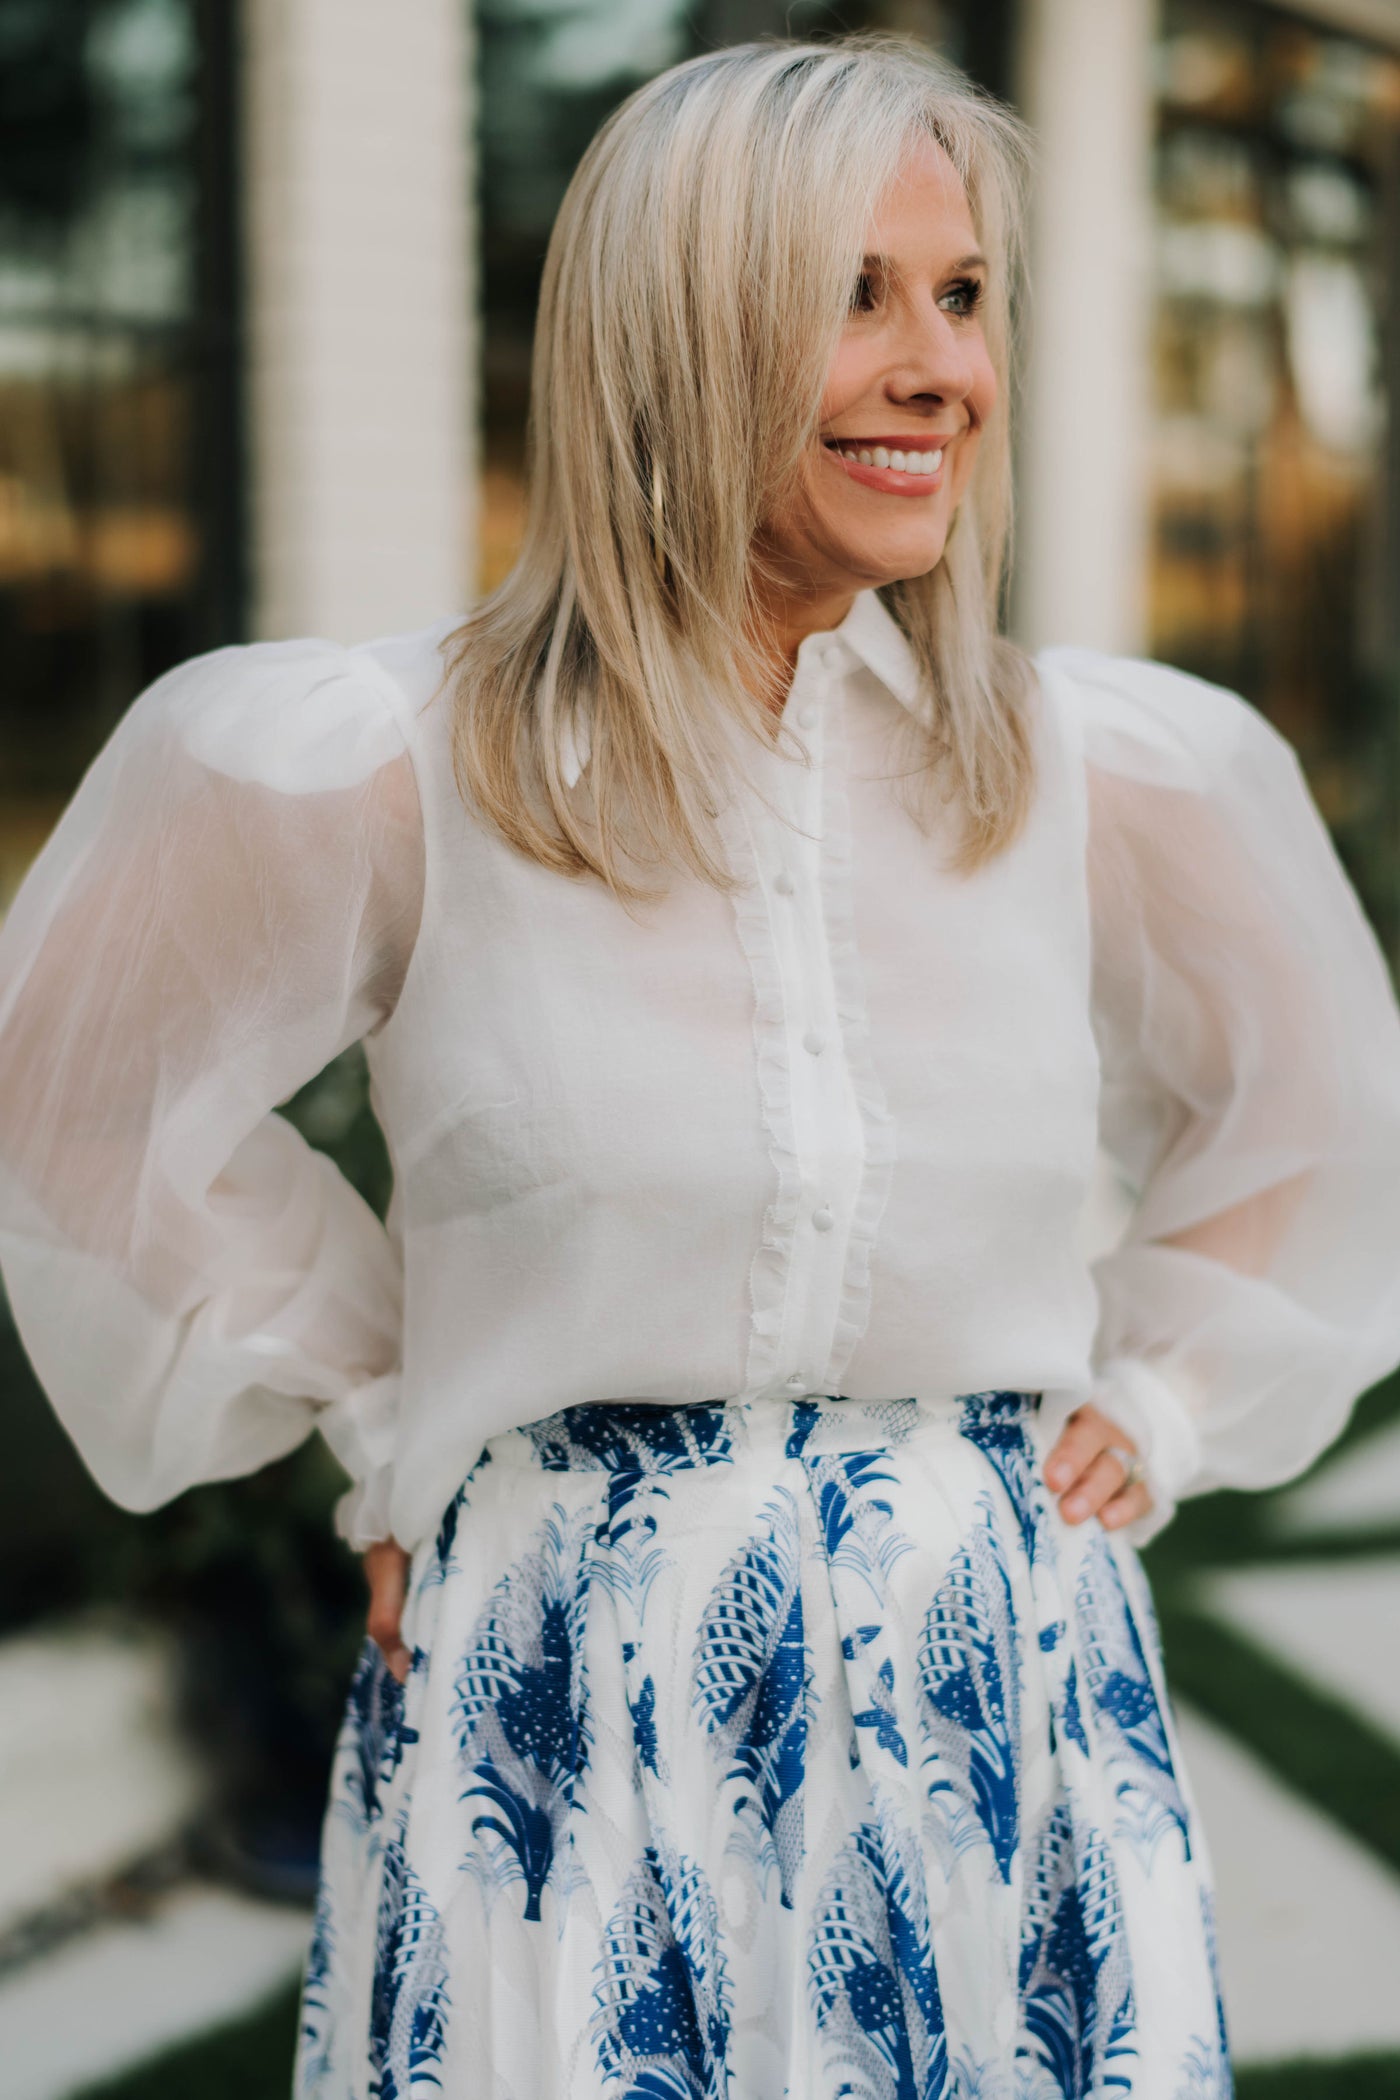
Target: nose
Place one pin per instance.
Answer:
(935, 360)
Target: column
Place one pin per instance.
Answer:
(1084, 82)
(361, 385)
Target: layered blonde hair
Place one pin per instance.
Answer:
(697, 279)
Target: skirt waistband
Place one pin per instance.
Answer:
(643, 1437)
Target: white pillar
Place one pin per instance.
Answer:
(362, 388)
(1084, 83)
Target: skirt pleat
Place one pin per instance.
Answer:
(765, 1751)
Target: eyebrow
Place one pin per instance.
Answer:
(975, 261)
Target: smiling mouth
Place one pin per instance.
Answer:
(915, 462)
(889, 470)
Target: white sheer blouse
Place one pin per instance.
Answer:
(832, 1133)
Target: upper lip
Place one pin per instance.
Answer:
(907, 441)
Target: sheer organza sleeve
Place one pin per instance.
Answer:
(229, 900)
(1250, 1046)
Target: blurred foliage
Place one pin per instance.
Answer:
(250, 2059)
(1364, 812)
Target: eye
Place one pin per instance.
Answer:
(968, 291)
(863, 294)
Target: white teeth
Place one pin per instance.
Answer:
(892, 459)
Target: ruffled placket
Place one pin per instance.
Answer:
(830, 1134)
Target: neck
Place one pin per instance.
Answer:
(787, 618)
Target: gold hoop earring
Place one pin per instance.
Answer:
(658, 549)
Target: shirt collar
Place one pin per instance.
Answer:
(872, 635)
(869, 634)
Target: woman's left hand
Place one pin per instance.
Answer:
(1087, 1474)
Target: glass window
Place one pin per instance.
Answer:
(120, 535)
(1276, 208)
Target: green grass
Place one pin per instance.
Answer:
(1317, 1745)
(1352, 2078)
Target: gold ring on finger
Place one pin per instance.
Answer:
(1133, 1469)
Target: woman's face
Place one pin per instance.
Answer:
(908, 391)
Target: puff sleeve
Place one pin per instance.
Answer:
(229, 900)
(1250, 1053)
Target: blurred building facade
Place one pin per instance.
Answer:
(267, 273)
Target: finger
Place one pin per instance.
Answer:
(387, 1567)
(1126, 1506)
(1099, 1482)
(1084, 1436)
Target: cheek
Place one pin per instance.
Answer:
(846, 380)
(982, 394)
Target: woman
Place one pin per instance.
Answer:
(749, 946)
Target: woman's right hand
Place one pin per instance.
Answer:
(386, 1571)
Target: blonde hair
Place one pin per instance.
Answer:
(696, 281)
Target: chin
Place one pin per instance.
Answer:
(896, 564)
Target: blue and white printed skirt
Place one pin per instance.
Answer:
(765, 1751)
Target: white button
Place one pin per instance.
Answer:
(797, 1383)
(814, 1042)
(831, 655)
(783, 883)
(808, 717)
(822, 1219)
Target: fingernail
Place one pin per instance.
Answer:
(1076, 1508)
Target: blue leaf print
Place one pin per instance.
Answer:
(374, 1718)
(805, 1416)
(1222, 2036)
(1072, 1719)
(996, 1423)
(635, 1444)
(858, 1526)
(871, 1976)
(663, 1999)
(643, 1712)
(408, 1998)
(879, 1715)
(314, 2038)
(1203, 2076)
(750, 1678)
(1077, 2006)
(520, 1702)
(1119, 1682)
(444, 1559)
(969, 1672)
